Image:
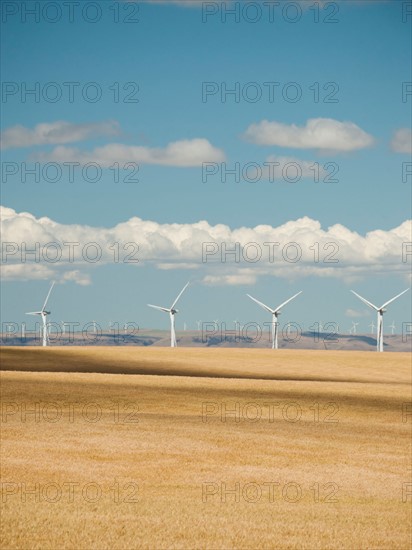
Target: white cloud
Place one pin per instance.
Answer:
(76, 276)
(243, 277)
(402, 141)
(179, 265)
(323, 134)
(289, 250)
(54, 133)
(32, 271)
(353, 313)
(183, 153)
(25, 272)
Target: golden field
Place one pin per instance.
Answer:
(158, 448)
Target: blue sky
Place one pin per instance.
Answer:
(168, 55)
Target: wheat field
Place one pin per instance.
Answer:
(155, 448)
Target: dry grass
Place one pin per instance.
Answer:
(171, 452)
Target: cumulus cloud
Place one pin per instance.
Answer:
(76, 276)
(30, 271)
(219, 254)
(54, 133)
(25, 272)
(353, 313)
(323, 134)
(402, 141)
(243, 277)
(183, 153)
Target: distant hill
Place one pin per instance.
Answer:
(148, 337)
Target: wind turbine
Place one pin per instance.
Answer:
(372, 325)
(392, 327)
(380, 311)
(172, 312)
(354, 325)
(43, 313)
(198, 324)
(275, 314)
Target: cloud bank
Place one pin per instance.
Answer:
(218, 254)
(183, 153)
(323, 134)
(54, 133)
(402, 141)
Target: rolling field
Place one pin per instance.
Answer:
(158, 448)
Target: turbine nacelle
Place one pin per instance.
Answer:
(43, 313)
(172, 312)
(275, 314)
(380, 311)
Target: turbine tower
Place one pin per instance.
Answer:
(172, 312)
(380, 311)
(275, 314)
(43, 313)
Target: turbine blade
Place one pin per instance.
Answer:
(287, 301)
(261, 304)
(393, 299)
(161, 308)
(365, 301)
(47, 297)
(175, 302)
(34, 313)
